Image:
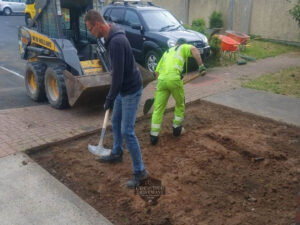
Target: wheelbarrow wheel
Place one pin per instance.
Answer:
(55, 87)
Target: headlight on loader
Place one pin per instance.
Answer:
(25, 37)
(24, 40)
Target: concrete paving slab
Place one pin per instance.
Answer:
(278, 107)
(29, 195)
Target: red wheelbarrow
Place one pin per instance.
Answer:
(239, 37)
(228, 44)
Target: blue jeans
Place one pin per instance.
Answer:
(123, 121)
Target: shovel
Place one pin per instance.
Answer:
(149, 102)
(99, 150)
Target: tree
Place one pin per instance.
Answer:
(295, 12)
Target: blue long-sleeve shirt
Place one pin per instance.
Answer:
(126, 77)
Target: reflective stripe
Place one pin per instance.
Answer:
(178, 55)
(180, 58)
(155, 126)
(179, 119)
(175, 125)
(154, 133)
(178, 50)
(178, 67)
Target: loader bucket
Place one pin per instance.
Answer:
(91, 88)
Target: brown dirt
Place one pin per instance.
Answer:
(209, 172)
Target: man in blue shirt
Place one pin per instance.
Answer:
(124, 94)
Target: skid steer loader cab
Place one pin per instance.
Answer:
(65, 64)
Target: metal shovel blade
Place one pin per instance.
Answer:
(147, 106)
(99, 150)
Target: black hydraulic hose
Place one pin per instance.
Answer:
(102, 54)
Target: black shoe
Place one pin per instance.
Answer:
(153, 139)
(112, 158)
(177, 131)
(137, 179)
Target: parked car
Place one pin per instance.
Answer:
(151, 30)
(7, 7)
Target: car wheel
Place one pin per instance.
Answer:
(7, 11)
(151, 60)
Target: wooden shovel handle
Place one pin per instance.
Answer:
(105, 119)
(193, 77)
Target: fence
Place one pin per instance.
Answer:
(267, 18)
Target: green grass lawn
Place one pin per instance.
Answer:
(263, 49)
(258, 49)
(285, 82)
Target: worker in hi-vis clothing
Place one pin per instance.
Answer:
(169, 73)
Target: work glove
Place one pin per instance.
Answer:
(202, 70)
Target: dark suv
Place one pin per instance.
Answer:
(151, 30)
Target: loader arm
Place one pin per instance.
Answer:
(39, 6)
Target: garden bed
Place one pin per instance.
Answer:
(229, 167)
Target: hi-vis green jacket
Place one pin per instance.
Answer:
(172, 62)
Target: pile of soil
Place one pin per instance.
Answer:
(229, 167)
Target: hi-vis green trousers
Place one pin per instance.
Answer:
(164, 89)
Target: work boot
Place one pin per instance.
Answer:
(112, 158)
(177, 131)
(137, 179)
(153, 139)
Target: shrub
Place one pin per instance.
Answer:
(215, 46)
(295, 12)
(255, 37)
(186, 26)
(199, 25)
(215, 20)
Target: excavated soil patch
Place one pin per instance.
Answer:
(229, 167)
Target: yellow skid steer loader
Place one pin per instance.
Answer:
(65, 64)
